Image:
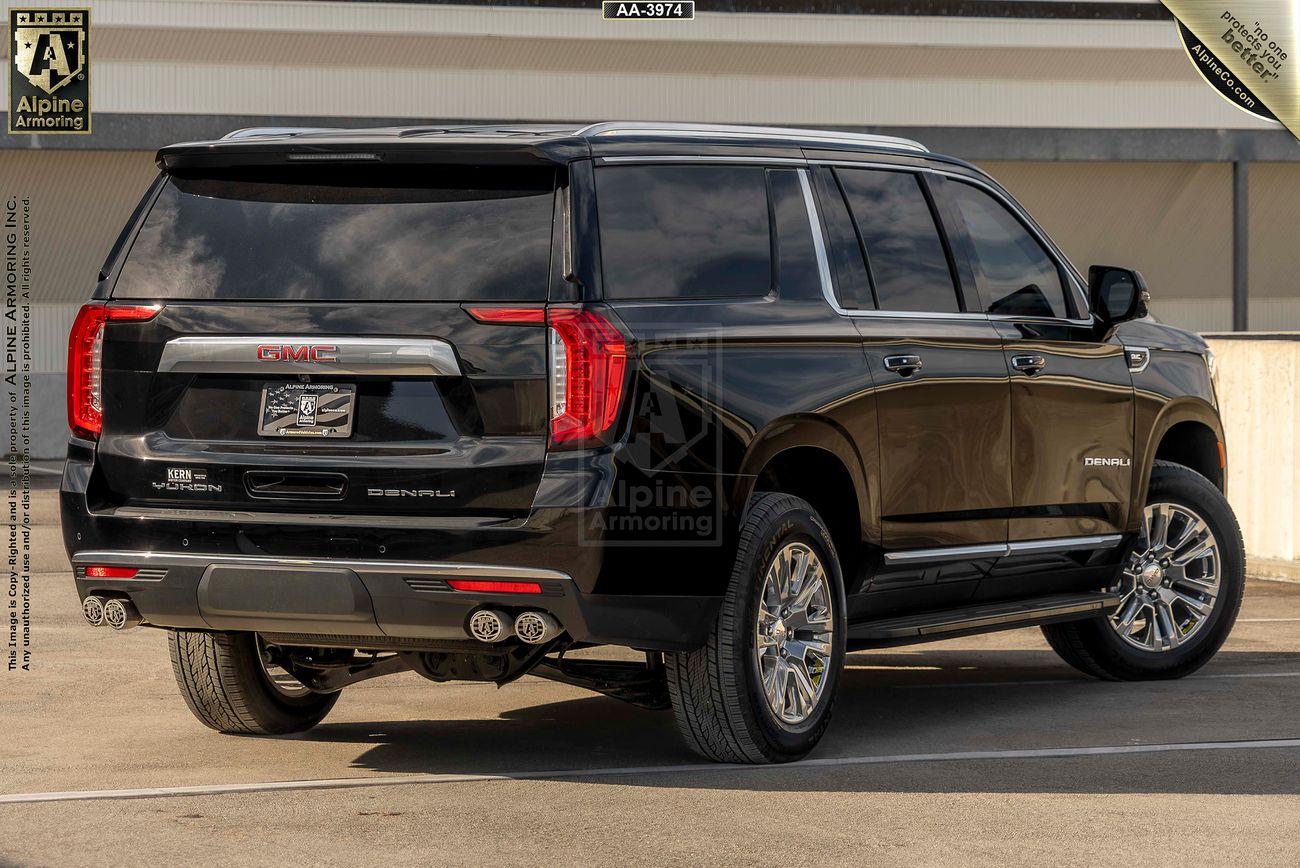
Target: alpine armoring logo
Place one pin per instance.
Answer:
(49, 79)
(1220, 77)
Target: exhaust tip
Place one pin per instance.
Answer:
(93, 608)
(536, 627)
(121, 614)
(488, 625)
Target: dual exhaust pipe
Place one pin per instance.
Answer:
(533, 628)
(117, 612)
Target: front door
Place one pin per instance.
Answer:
(1071, 389)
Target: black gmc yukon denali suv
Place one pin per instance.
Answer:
(466, 400)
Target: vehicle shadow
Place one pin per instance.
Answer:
(894, 704)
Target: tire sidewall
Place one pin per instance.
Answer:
(797, 523)
(1185, 488)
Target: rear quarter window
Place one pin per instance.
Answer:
(410, 233)
(684, 231)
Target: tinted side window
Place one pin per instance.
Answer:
(796, 259)
(852, 283)
(908, 265)
(1015, 273)
(684, 231)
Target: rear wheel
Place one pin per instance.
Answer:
(1180, 588)
(231, 686)
(762, 688)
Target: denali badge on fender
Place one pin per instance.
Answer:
(1107, 462)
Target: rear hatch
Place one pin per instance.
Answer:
(314, 351)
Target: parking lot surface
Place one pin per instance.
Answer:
(972, 751)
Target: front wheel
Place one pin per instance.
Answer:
(231, 686)
(762, 688)
(1180, 588)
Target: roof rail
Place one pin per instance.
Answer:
(612, 128)
(253, 132)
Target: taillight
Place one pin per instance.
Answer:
(85, 368)
(587, 367)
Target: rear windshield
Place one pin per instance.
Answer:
(411, 233)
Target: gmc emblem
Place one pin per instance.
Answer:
(297, 353)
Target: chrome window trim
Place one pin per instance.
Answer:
(824, 272)
(1075, 280)
(1011, 549)
(138, 558)
(227, 354)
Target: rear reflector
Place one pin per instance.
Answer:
(509, 315)
(100, 572)
(487, 587)
(85, 363)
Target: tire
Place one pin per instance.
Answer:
(228, 689)
(717, 693)
(1097, 649)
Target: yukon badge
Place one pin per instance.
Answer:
(1089, 461)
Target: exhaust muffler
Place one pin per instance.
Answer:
(121, 614)
(93, 608)
(489, 625)
(536, 627)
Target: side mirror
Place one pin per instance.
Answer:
(1117, 294)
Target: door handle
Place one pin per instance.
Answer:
(1029, 364)
(904, 366)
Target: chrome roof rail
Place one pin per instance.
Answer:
(253, 132)
(616, 128)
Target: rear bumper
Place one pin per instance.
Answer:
(388, 601)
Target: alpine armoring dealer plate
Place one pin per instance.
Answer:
(306, 410)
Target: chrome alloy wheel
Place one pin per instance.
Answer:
(280, 679)
(1171, 581)
(793, 633)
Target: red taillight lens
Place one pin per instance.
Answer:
(588, 359)
(486, 587)
(588, 369)
(110, 572)
(85, 346)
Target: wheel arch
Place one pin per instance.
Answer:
(816, 460)
(1187, 432)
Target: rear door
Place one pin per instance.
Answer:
(316, 349)
(941, 383)
(1071, 389)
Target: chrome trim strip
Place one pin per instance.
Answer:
(1065, 544)
(734, 131)
(1022, 547)
(946, 553)
(819, 243)
(438, 568)
(359, 356)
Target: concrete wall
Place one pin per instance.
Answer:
(1257, 382)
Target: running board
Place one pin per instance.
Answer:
(984, 618)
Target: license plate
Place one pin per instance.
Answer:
(306, 410)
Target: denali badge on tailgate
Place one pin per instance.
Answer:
(306, 410)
